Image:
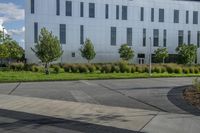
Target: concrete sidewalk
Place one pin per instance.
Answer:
(135, 120)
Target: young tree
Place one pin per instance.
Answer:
(48, 48)
(87, 51)
(3, 52)
(161, 54)
(126, 53)
(187, 53)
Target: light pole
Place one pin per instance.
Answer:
(150, 64)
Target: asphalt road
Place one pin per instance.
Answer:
(149, 94)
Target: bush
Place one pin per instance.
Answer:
(115, 68)
(178, 70)
(196, 70)
(82, 69)
(91, 68)
(123, 66)
(67, 68)
(133, 69)
(17, 66)
(139, 69)
(128, 69)
(56, 69)
(35, 69)
(157, 69)
(146, 69)
(170, 69)
(163, 70)
(186, 70)
(106, 69)
(191, 69)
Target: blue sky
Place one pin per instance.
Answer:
(12, 18)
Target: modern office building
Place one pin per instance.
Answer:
(111, 23)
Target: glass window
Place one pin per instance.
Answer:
(62, 33)
(164, 38)
(180, 37)
(117, 12)
(189, 37)
(142, 13)
(124, 12)
(106, 11)
(81, 34)
(198, 39)
(161, 15)
(176, 16)
(129, 36)
(152, 14)
(155, 37)
(68, 8)
(57, 7)
(144, 38)
(35, 32)
(91, 10)
(195, 17)
(113, 36)
(187, 17)
(32, 6)
(81, 9)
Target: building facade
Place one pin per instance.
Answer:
(144, 25)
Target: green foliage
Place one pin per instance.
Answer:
(157, 69)
(191, 70)
(196, 84)
(17, 66)
(187, 53)
(87, 50)
(161, 54)
(56, 68)
(133, 69)
(106, 68)
(74, 68)
(126, 53)
(123, 66)
(48, 48)
(178, 70)
(91, 68)
(196, 70)
(170, 69)
(67, 68)
(83, 68)
(186, 70)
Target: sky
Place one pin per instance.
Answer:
(12, 19)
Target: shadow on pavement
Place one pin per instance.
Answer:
(26, 119)
(175, 96)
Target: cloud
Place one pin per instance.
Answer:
(10, 12)
(17, 32)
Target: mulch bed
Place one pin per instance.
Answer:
(192, 96)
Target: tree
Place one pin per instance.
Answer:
(126, 53)
(187, 53)
(48, 48)
(161, 54)
(87, 50)
(3, 52)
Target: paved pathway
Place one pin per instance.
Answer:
(122, 106)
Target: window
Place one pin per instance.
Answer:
(155, 37)
(189, 37)
(142, 14)
(117, 12)
(81, 34)
(144, 37)
(195, 17)
(106, 11)
(58, 7)
(62, 33)
(73, 54)
(113, 36)
(35, 32)
(124, 12)
(180, 37)
(187, 17)
(198, 39)
(176, 16)
(164, 38)
(91, 10)
(129, 36)
(32, 6)
(152, 14)
(161, 15)
(81, 9)
(68, 8)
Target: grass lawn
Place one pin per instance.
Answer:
(33, 77)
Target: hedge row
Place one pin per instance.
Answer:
(121, 67)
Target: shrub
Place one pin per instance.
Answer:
(106, 69)
(67, 68)
(35, 69)
(163, 70)
(196, 70)
(115, 68)
(196, 83)
(82, 69)
(128, 69)
(74, 68)
(170, 69)
(27, 67)
(139, 69)
(91, 68)
(17, 66)
(191, 69)
(123, 66)
(133, 69)
(56, 69)
(186, 70)
(157, 69)
(146, 69)
(178, 70)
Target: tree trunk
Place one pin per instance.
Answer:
(163, 60)
(46, 68)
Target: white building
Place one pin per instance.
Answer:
(110, 23)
